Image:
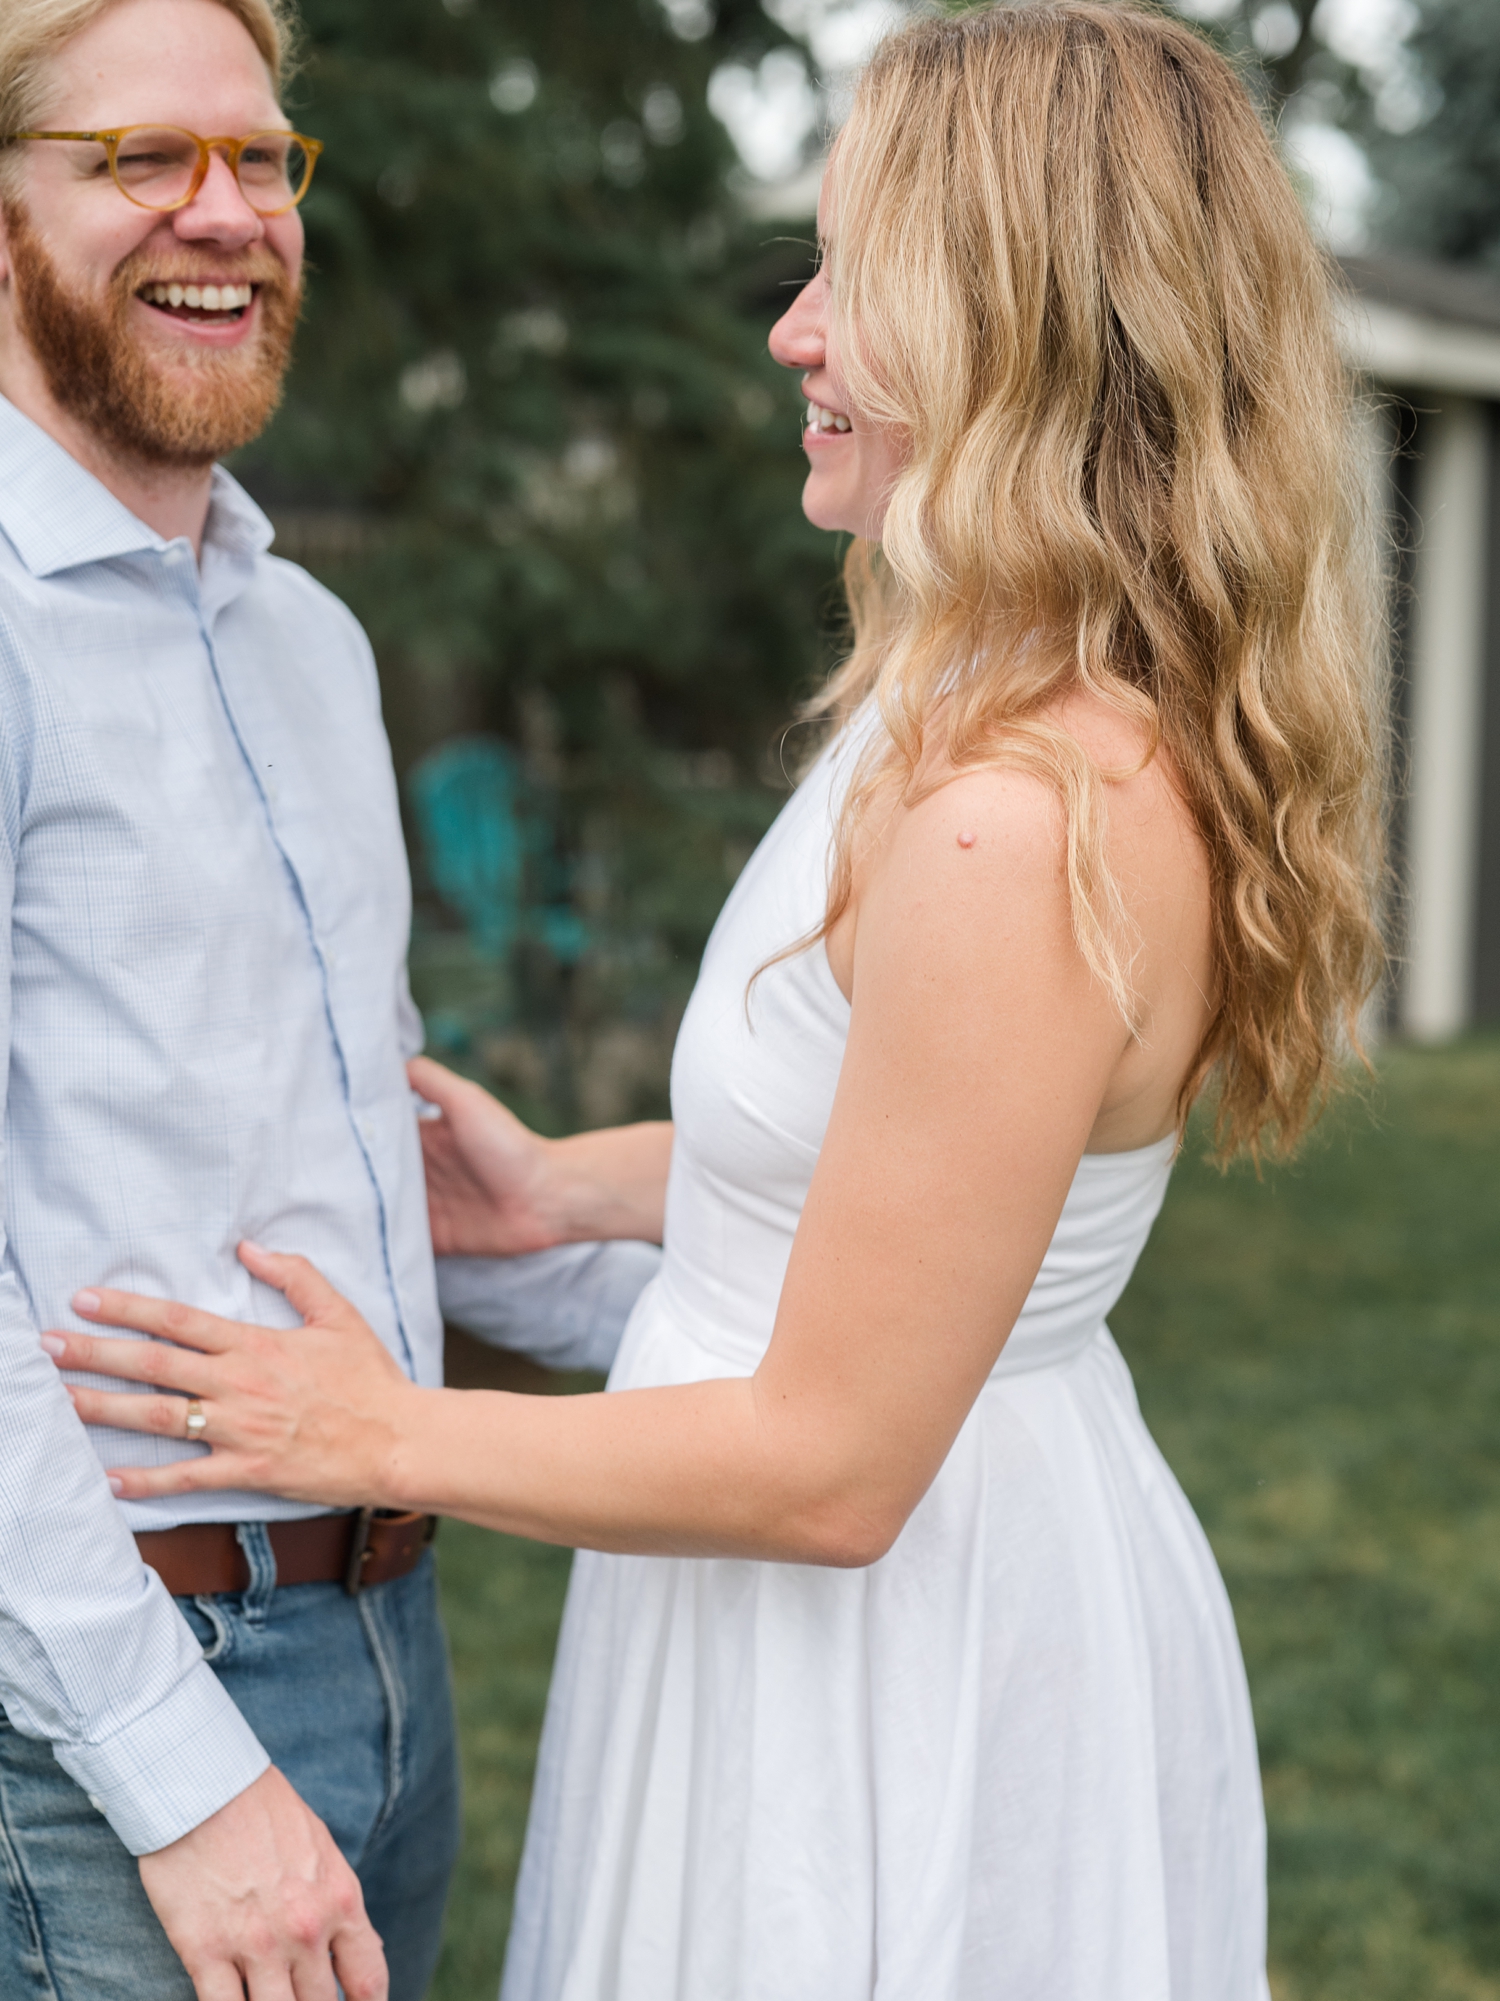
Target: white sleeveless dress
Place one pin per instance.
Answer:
(1011, 1761)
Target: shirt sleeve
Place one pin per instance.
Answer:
(566, 1307)
(94, 1656)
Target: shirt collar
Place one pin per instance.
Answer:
(235, 524)
(59, 517)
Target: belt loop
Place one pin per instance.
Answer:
(255, 1540)
(359, 1549)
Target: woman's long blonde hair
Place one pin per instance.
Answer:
(1067, 263)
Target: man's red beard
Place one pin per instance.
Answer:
(141, 406)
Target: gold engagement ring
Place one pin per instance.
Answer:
(196, 1423)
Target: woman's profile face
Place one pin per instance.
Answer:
(852, 462)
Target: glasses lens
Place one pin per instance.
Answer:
(274, 167)
(155, 165)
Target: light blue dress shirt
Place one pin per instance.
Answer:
(207, 909)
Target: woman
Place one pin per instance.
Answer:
(895, 1663)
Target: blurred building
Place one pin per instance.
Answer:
(1427, 336)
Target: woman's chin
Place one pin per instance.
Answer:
(826, 508)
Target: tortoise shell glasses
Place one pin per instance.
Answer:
(162, 167)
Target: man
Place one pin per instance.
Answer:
(205, 912)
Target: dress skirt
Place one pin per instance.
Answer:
(1013, 1760)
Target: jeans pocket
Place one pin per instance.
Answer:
(209, 1625)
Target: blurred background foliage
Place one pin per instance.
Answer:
(1440, 172)
(534, 438)
(1390, 110)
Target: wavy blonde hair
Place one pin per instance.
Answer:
(1067, 264)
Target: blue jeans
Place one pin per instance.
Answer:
(351, 1698)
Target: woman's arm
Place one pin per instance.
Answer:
(496, 1189)
(979, 1053)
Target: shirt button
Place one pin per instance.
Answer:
(173, 554)
(96, 1803)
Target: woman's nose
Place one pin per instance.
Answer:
(798, 339)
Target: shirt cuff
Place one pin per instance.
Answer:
(170, 1769)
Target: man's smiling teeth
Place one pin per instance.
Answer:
(205, 298)
(819, 419)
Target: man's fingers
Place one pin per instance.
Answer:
(302, 1283)
(311, 1979)
(219, 1982)
(359, 1961)
(165, 1317)
(152, 1362)
(274, 1982)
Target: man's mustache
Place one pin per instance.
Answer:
(142, 267)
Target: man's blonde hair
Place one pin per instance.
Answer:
(32, 32)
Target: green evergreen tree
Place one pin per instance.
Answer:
(1430, 123)
(534, 439)
(1443, 178)
(1275, 42)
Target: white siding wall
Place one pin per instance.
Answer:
(1446, 664)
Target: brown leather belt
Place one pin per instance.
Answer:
(371, 1546)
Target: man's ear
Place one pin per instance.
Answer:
(4, 245)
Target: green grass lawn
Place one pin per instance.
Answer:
(1319, 1355)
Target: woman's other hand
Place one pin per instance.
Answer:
(311, 1412)
(496, 1189)
(486, 1172)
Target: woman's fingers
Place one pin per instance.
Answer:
(303, 1284)
(204, 1472)
(467, 1108)
(153, 1362)
(162, 1417)
(459, 1099)
(265, 1391)
(434, 1083)
(165, 1317)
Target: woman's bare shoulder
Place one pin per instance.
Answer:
(1144, 796)
(982, 855)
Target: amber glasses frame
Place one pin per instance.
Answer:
(111, 142)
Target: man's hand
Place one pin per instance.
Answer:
(258, 1900)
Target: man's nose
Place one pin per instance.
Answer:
(799, 337)
(219, 213)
